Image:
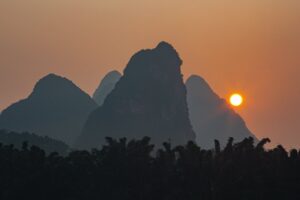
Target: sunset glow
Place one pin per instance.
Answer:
(249, 47)
(236, 99)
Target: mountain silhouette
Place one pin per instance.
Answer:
(211, 117)
(56, 108)
(148, 100)
(46, 143)
(106, 86)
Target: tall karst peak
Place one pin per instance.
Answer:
(165, 45)
(148, 100)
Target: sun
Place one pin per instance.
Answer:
(236, 99)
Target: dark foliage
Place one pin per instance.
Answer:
(131, 171)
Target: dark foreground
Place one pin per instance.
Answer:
(124, 170)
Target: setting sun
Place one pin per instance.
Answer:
(236, 99)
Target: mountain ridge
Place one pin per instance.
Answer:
(211, 116)
(148, 100)
(56, 107)
(106, 85)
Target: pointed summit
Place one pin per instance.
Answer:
(56, 108)
(165, 46)
(212, 118)
(53, 84)
(106, 86)
(50, 78)
(203, 87)
(164, 59)
(47, 80)
(166, 49)
(148, 100)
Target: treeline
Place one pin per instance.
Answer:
(48, 144)
(131, 170)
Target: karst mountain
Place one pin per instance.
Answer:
(56, 108)
(211, 117)
(106, 86)
(148, 100)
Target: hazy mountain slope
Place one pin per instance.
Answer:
(211, 117)
(106, 86)
(49, 145)
(56, 108)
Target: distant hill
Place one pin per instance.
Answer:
(48, 144)
(212, 118)
(106, 86)
(148, 100)
(56, 108)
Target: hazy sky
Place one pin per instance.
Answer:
(251, 46)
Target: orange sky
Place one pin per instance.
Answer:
(252, 46)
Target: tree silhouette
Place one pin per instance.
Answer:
(134, 169)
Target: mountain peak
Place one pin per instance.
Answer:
(164, 45)
(56, 107)
(51, 75)
(53, 84)
(194, 77)
(106, 86)
(50, 78)
(165, 57)
(112, 75)
(201, 87)
(197, 79)
(166, 49)
(211, 116)
(149, 100)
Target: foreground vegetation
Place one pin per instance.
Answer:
(133, 171)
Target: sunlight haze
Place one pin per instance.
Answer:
(252, 46)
